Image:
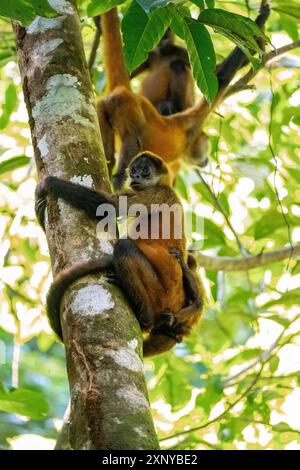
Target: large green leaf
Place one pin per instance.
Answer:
(141, 32)
(13, 163)
(24, 402)
(291, 8)
(201, 54)
(26, 10)
(97, 7)
(240, 29)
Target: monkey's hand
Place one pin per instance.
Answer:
(178, 255)
(111, 277)
(167, 318)
(41, 202)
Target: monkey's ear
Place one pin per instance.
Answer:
(157, 162)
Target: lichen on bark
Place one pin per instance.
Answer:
(109, 401)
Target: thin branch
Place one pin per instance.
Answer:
(221, 209)
(242, 83)
(227, 263)
(221, 415)
(260, 359)
(271, 148)
(265, 356)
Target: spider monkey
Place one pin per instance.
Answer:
(169, 83)
(169, 86)
(156, 274)
(135, 121)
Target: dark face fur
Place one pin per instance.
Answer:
(145, 171)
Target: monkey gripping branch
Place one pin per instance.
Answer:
(109, 402)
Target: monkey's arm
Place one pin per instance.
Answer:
(191, 282)
(78, 196)
(140, 69)
(237, 59)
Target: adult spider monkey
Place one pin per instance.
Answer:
(156, 274)
(133, 118)
(137, 123)
(169, 83)
(169, 86)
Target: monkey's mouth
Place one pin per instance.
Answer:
(135, 185)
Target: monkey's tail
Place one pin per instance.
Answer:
(61, 283)
(114, 64)
(157, 344)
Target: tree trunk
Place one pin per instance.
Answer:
(109, 402)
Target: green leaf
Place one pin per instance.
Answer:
(240, 29)
(202, 56)
(97, 7)
(42, 8)
(291, 297)
(9, 105)
(251, 353)
(24, 402)
(282, 427)
(202, 4)
(273, 364)
(149, 5)
(267, 224)
(26, 10)
(13, 163)
(20, 10)
(141, 32)
(293, 11)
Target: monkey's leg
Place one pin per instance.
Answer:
(178, 85)
(157, 343)
(198, 149)
(108, 135)
(137, 278)
(190, 279)
(131, 146)
(126, 117)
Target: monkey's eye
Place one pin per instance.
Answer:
(133, 171)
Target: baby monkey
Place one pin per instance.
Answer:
(156, 274)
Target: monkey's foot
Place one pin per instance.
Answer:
(111, 277)
(167, 318)
(145, 321)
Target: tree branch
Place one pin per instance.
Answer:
(103, 341)
(242, 83)
(226, 263)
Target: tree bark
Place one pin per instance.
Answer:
(109, 401)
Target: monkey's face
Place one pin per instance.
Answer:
(145, 170)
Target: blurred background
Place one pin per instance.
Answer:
(235, 383)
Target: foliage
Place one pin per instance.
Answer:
(235, 383)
